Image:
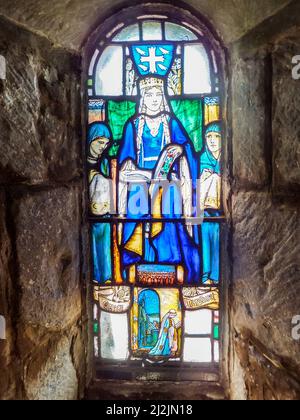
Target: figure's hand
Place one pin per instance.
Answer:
(174, 150)
(98, 146)
(130, 173)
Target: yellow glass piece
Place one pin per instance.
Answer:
(132, 274)
(135, 243)
(157, 206)
(212, 113)
(117, 258)
(180, 274)
(135, 320)
(201, 298)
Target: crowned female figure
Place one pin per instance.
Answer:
(156, 147)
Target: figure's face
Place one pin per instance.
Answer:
(98, 146)
(172, 314)
(153, 100)
(214, 142)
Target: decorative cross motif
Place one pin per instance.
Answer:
(152, 59)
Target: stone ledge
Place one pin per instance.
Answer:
(149, 390)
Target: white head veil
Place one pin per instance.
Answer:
(145, 86)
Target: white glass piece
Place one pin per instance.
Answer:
(152, 31)
(152, 17)
(196, 70)
(130, 33)
(131, 79)
(176, 32)
(2, 328)
(95, 312)
(109, 73)
(197, 350)
(198, 322)
(214, 61)
(96, 346)
(115, 29)
(174, 78)
(216, 351)
(193, 28)
(93, 61)
(114, 336)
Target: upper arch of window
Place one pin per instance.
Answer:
(112, 62)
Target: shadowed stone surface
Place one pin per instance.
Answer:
(249, 101)
(68, 22)
(47, 243)
(266, 292)
(286, 122)
(154, 391)
(39, 111)
(7, 379)
(44, 356)
(56, 378)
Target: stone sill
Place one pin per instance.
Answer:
(112, 390)
(209, 374)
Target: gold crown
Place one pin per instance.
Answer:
(151, 82)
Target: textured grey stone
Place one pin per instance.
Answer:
(69, 22)
(266, 289)
(39, 111)
(55, 378)
(286, 120)
(249, 122)
(43, 356)
(45, 353)
(47, 243)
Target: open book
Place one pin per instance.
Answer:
(169, 156)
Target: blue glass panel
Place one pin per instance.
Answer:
(101, 241)
(153, 59)
(211, 252)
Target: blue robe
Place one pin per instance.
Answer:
(101, 232)
(101, 245)
(210, 231)
(173, 245)
(163, 346)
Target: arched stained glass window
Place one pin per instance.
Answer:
(154, 149)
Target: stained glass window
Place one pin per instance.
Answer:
(154, 152)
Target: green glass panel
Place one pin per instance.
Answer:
(189, 113)
(96, 328)
(216, 332)
(118, 114)
(90, 82)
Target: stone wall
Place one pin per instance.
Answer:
(265, 291)
(41, 298)
(42, 293)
